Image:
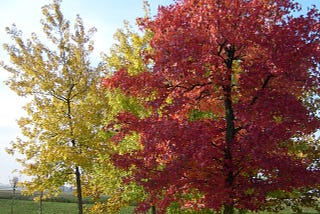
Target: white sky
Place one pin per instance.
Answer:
(105, 15)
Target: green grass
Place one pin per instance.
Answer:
(66, 203)
(305, 211)
(30, 207)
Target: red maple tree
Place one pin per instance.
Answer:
(225, 94)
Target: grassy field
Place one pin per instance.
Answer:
(24, 207)
(65, 204)
(30, 207)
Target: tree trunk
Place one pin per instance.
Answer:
(79, 190)
(230, 129)
(242, 211)
(40, 202)
(228, 165)
(153, 210)
(13, 197)
(77, 170)
(228, 209)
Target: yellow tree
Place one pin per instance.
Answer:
(106, 178)
(57, 77)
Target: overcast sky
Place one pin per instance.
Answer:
(105, 15)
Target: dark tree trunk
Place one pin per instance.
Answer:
(228, 209)
(77, 169)
(153, 210)
(13, 198)
(230, 128)
(40, 202)
(228, 168)
(79, 190)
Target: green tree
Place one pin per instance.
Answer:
(59, 80)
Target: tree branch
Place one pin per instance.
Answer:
(264, 85)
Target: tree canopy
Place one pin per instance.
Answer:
(60, 82)
(212, 106)
(226, 99)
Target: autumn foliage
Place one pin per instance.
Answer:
(225, 97)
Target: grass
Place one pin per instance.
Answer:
(30, 207)
(26, 205)
(64, 203)
(305, 211)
